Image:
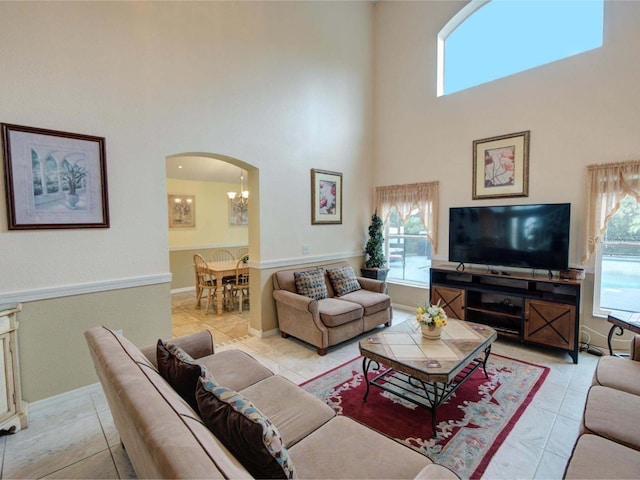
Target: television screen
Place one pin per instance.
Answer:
(526, 236)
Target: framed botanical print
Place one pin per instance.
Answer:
(326, 197)
(501, 166)
(54, 179)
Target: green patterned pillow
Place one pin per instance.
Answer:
(311, 284)
(343, 280)
(243, 429)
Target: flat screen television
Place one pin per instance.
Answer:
(526, 236)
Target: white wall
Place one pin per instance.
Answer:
(282, 86)
(580, 110)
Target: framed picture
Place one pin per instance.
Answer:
(501, 166)
(182, 211)
(326, 197)
(54, 179)
(238, 211)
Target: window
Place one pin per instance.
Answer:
(488, 40)
(410, 215)
(617, 279)
(407, 248)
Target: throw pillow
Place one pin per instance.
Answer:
(311, 284)
(180, 370)
(343, 280)
(243, 429)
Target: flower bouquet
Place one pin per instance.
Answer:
(431, 319)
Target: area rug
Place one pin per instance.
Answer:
(471, 425)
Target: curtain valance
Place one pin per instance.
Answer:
(608, 184)
(406, 198)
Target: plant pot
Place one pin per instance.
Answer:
(375, 273)
(431, 332)
(72, 200)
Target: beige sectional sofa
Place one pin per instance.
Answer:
(165, 438)
(331, 320)
(609, 442)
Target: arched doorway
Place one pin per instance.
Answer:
(206, 181)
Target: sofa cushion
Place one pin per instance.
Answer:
(344, 448)
(619, 373)
(335, 312)
(372, 302)
(343, 280)
(311, 284)
(595, 457)
(235, 369)
(179, 370)
(613, 414)
(245, 431)
(294, 411)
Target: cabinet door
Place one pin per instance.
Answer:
(451, 300)
(550, 324)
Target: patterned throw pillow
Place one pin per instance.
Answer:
(180, 370)
(311, 284)
(243, 429)
(343, 280)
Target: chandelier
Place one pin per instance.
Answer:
(240, 198)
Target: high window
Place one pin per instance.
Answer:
(488, 40)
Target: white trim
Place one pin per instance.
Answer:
(263, 334)
(207, 247)
(68, 395)
(83, 288)
(183, 290)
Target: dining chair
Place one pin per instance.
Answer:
(221, 255)
(240, 287)
(241, 252)
(204, 281)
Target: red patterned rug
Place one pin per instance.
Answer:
(471, 425)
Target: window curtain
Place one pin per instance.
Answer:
(608, 184)
(423, 196)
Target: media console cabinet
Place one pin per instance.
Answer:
(533, 309)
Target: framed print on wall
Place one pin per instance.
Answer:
(501, 166)
(326, 197)
(54, 179)
(239, 211)
(182, 211)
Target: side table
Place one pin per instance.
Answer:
(622, 321)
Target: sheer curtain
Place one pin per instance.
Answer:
(609, 183)
(423, 196)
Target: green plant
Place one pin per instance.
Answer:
(374, 247)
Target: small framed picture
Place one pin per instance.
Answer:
(326, 197)
(501, 166)
(182, 211)
(238, 211)
(54, 179)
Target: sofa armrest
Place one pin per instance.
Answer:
(372, 285)
(197, 345)
(634, 348)
(297, 301)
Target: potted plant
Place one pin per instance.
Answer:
(375, 264)
(73, 174)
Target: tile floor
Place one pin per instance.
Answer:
(73, 435)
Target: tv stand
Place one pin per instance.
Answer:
(530, 309)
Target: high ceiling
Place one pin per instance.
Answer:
(202, 169)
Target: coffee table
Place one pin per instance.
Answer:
(426, 372)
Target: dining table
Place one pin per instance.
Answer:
(218, 270)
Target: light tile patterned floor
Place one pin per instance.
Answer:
(73, 435)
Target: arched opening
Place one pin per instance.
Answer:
(212, 206)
